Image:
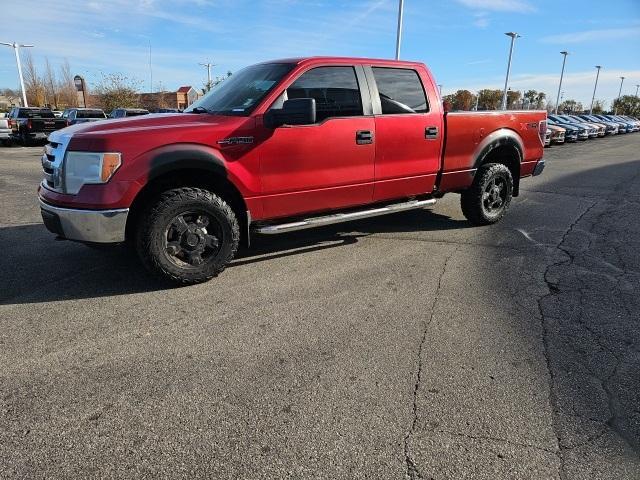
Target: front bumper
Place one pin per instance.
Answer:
(92, 226)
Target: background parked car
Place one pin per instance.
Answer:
(166, 110)
(571, 132)
(601, 131)
(622, 127)
(557, 134)
(29, 124)
(57, 113)
(128, 112)
(83, 115)
(610, 127)
(583, 130)
(5, 131)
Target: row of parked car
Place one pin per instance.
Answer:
(572, 128)
(29, 124)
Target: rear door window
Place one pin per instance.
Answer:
(400, 91)
(335, 90)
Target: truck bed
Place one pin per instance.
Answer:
(468, 133)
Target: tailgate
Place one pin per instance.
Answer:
(47, 124)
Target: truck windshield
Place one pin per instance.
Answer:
(240, 93)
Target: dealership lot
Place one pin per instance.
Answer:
(412, 345)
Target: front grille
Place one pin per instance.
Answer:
(52, 160)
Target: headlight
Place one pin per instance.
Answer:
(81, 168)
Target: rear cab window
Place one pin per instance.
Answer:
(35, 113)
(89, 114)
(400, 90)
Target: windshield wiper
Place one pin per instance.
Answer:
(198, 110)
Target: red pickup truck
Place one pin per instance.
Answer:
(281, 146)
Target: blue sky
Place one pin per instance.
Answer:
(462, 41)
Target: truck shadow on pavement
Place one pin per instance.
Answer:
(40, 269)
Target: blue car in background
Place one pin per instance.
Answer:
(611, 128)
(583, 130)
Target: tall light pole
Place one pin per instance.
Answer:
(619, 92)
(564, 60)
(594, 89)
(440, 89)
(399, 31)
(208, 66)
(513, 36)
(637, 86)
(16, 47)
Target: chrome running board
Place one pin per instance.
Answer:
(343, 217)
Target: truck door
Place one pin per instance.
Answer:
(408, 133)
(327, 165)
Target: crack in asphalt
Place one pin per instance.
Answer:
(613, 423)
(554, 290)
(412, 472)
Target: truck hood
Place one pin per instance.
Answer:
(149, 124)
(137, 135)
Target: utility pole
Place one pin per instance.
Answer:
(564, 60)
(513, 36)
(620, 92)
(150, 69)
(208, 67)
(16, 47)
(399, 31)
(594, 89)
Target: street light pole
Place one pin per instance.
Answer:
(619, 92)
(564, 60)
(16, 47)
(637, 86)
(208, 66)
(594, 89)
(513, 36)
(399, 31)
(440, 89)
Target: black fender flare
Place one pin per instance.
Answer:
(502, 137)
(184, 156)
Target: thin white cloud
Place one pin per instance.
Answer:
(521, 6)
(593, 35)
(482, 20)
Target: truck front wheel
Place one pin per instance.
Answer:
(488, 198)
(188, 235)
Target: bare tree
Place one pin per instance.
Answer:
(116, 90)
(51, 85)
(66, 88)
(33, 84)
(598, 107)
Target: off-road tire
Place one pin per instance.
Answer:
(474, 200)
(155, 222)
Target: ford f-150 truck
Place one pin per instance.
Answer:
(277, 147)
(32, 123)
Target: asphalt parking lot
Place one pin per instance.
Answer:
(412, 346)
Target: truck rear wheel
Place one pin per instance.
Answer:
(188, 236)
(488, 198)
